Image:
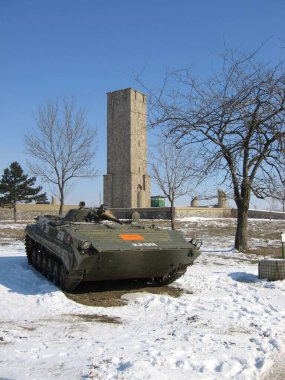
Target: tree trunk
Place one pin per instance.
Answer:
(242, 226)
(61, 201)
(172, 209)
(15, 213)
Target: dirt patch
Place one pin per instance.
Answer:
(96, 318)
(274, 252)
(108, 294)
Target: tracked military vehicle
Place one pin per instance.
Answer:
(93, 245)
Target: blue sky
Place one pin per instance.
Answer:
(85, 48)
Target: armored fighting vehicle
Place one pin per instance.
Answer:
(93, 245)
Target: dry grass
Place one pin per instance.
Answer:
(8, 233)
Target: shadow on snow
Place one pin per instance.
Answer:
(19, 277)
(244, 277)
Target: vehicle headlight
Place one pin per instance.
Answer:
(196, 242)
(85, 246)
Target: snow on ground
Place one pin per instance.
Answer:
(11, 225)
(227, 325)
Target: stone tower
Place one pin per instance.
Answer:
(126, 183)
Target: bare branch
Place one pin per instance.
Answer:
(174, 171)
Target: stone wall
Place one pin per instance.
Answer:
(145, 213)
(30, 211)
(205, 212)
(202, 212)
(259, 214)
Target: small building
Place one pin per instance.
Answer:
(157, 201)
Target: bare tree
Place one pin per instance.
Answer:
(173, 171)
(62, 147)
(237, 118)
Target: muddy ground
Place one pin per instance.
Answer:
(264, 239)
(107, 294)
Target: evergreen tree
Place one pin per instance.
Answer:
(16, 187)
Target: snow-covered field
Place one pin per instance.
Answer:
(228, 324)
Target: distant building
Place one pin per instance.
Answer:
(127, 183)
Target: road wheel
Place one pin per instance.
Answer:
(56, 272)
(49, 268)
(39, 261)
(34, 257)
(62, 278)
(44, 265)
(29, 249)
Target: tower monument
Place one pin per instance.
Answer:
(126, 184)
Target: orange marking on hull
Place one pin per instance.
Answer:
(131, 237)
